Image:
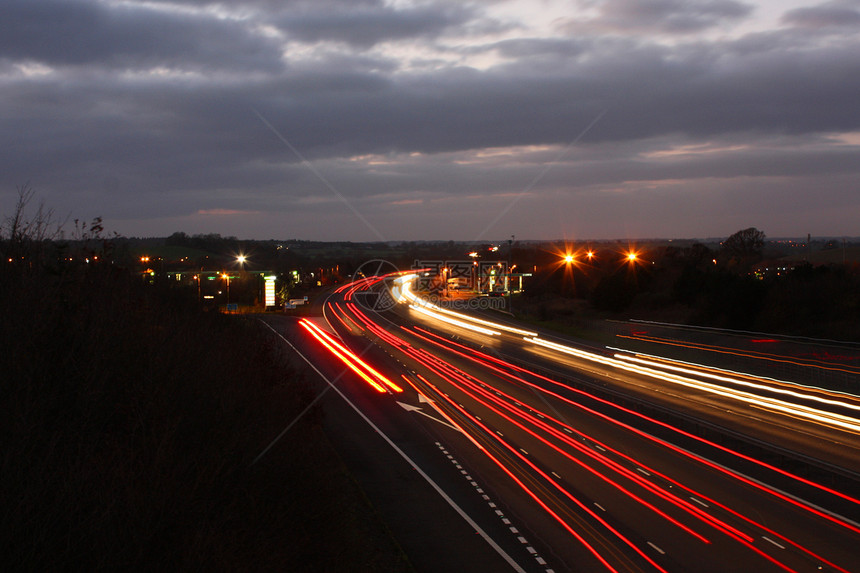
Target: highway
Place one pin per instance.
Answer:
(582, 459)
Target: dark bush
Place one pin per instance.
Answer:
(130, 421)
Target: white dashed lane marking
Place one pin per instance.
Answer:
(532, 551)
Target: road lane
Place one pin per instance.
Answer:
(398, 462)
(581, 474)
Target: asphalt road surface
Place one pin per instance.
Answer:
(491, 447)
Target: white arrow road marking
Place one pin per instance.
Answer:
(416, 409)
(514, 565)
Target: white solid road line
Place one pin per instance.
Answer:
(514, 565)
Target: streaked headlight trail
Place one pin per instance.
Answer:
(606, 474)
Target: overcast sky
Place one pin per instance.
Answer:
(399, 120)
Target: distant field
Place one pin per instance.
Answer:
(173, 252)
(333, 252)
(830, 256)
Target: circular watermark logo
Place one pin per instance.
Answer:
(378, 297)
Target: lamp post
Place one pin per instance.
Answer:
(476, 278)
(241, 259)
(508, 282)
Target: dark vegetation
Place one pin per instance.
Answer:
(743, 282)
(131, 419)
(737, 285)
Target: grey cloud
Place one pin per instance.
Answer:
(83, 32)
(149, 145)
(699, 90)
(272, 6)
(835, 14)
(201, 134)
(661, 16)
(367, 26)
(538, 47)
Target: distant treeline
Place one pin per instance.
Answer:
(742, 282)
(730, 287)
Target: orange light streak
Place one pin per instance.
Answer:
(346, 317)
(342, 321)
(343, 358)
(392, 340)
(745, 354)
(350, 358)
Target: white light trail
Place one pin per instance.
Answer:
(454, 321)
(740, 382)
(800, 411)
(402, 292)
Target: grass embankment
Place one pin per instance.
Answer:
(129, 425)
(583, 332)
(565, 316)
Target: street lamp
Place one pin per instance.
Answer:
(226, 277)
(509, 286)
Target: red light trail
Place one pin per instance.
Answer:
(355, 363)
(609, 466)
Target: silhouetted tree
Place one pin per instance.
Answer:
(699, 254)
(25, 237)
(178, 239)
(730, 301)
(744, 245)
(614, 292)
